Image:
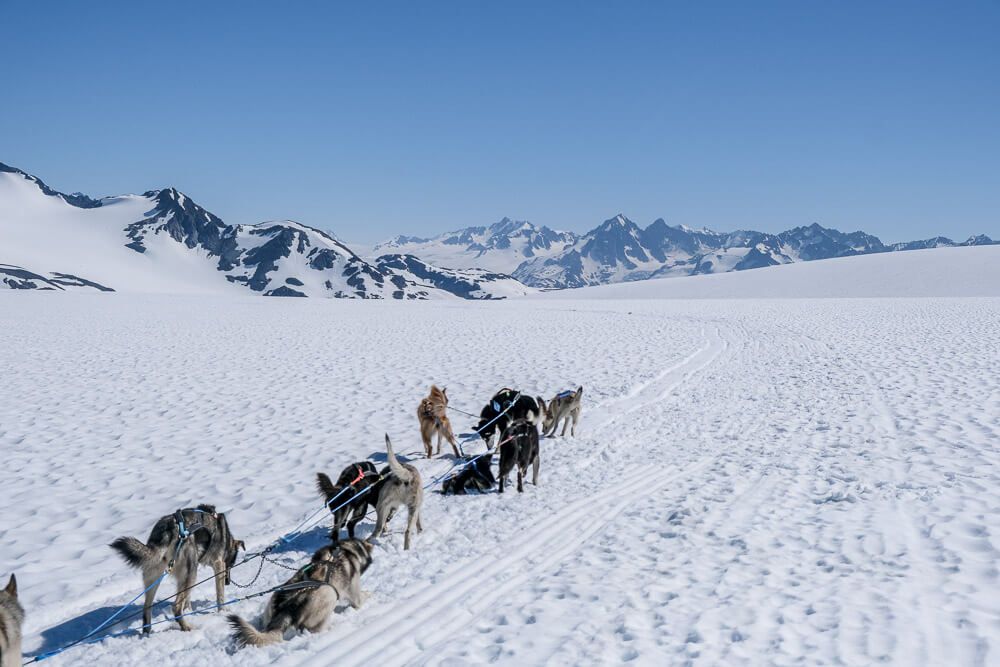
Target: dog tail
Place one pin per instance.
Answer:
(325, 485)
(133, 551)
(245, 634)
(394, 465)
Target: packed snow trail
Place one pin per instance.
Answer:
(779, 481)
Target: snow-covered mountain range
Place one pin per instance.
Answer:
(162, 241)
(618, 250)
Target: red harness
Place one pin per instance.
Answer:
(361, 475)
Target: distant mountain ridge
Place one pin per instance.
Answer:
(163, 237)
(618, 250)
(163, 241)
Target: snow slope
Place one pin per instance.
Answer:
(941, 272)
(162, 241)
(811, 481)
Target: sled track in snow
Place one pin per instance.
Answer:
(412, 627)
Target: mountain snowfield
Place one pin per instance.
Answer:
(162, 241)
(757, 480)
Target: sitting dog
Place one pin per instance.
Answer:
(11, 619)
(476, 476)
(519, 446)
(401, 487)
(306, 601)
(345, 498)
(432, 413)
(494, 419)
(562, 408)
(207, 542)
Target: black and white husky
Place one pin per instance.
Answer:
(506, 406)
(306, 601)
(519, 447)
(564, 407)
(11, 618)
(179, 542)
(474, 476)
(402, 486)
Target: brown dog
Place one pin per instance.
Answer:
(433, 419)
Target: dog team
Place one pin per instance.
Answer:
(180, 542)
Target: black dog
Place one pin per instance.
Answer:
(476, 476)
(519, 446)
(342, 498)
(494, 419)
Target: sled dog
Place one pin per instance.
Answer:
(432, 413)
(564, 407)
(208, 542)
(519, 446)
(11, 618)
(306, 601)
(348, 498)
(401, 487)
(476, 476)
(494, 419)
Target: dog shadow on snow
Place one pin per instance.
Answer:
(73, 629)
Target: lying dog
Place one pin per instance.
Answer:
(306, 601)
(494, 419)
(519, 446)
(11, 619)
(208, 542)
(565, 406)
(432, 413)
(476, 476)
(401, 487)
(348, 496)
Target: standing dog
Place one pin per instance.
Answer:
(562, 408)
(306, 601)
(401, 487)
(178, 543)
(506, 406)
(11, 618)
(348, 496)
(519, 446)
(433, 417)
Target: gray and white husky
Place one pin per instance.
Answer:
(306, 601)
(208, 542)
(562, 408)
(402, 487)
(11, 618)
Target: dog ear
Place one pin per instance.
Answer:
(241, 545)
(11, 587)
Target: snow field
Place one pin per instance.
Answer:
(755, 481)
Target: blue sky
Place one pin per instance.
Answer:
(416, 118)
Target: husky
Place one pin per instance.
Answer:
(11, 618)
(208, 542)
(432, 413)
(401, 487)
(562, 408)
(494, 419)
(306, 601)
(519, 446)
(348, 496)
(475, 476)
